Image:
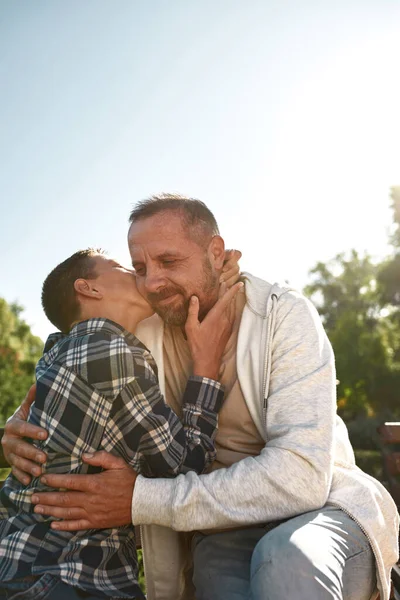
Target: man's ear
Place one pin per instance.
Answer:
(88, 288)
(216, 251)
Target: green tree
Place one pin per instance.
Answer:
(364, 337)
(389, 272)
(19, 352)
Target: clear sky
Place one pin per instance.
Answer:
(282, 115)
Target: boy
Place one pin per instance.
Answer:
(97, 388)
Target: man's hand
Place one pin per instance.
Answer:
(22, 456)
(99, 501)
(230, 271)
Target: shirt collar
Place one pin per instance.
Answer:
(92, 326)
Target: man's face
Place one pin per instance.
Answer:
(118, 285)
(170, 267)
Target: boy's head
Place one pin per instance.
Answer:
(88, 284)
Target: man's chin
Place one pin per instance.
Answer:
(172, 316)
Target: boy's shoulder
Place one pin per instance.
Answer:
(106, 359)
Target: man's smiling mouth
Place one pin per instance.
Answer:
(168, 299)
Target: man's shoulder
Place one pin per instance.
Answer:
(261, 295)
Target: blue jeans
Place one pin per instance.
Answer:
(319, 555)
(46, 587)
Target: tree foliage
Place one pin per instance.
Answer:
(365, 342)
(19, 352)
(389, 271)
(359, 302)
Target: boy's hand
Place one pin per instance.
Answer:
(230, 271)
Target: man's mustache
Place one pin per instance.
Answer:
(154, 297)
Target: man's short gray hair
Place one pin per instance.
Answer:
(197, 219)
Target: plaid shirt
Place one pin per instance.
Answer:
(97, 388)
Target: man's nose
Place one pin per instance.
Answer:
(154, 280)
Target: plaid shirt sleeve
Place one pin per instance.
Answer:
(141, 420)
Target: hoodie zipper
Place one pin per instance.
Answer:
(268, 352)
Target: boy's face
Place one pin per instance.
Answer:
(118, 286)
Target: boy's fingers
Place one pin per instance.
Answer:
(231, 311)
(29, 398)
(20, 428)
(17, 451)
(222, 289)
(224, 301)
(230, 277)
(26, 466)
(236, 254)
(230, 266)
(231, 257)
(21, 476)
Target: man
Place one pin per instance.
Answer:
(285, 513)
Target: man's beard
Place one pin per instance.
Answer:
(173, 315)
(177, 314)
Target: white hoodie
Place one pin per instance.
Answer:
(286, 370)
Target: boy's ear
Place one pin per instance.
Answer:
(216, 251)
(88, 288)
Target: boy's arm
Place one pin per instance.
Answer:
(148, 434)
(202, 401)
(165, 445)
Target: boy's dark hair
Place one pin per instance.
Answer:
(197, 218)
(59, 299)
